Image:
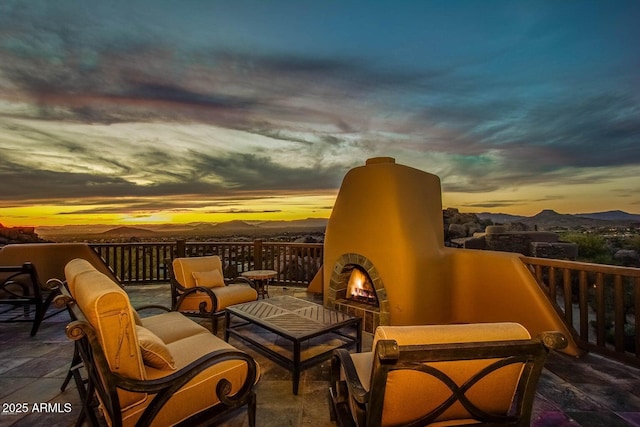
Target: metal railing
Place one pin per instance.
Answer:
(296, 264)
(598, 302)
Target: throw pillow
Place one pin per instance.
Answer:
(208, 279)
(154, 351)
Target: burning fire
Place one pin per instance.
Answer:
(359, 286)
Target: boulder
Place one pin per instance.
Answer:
(628, 257)
(457, 231)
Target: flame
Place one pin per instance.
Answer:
(356, 285)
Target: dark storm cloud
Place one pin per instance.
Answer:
(241, 176)
(252, 172)
(18, 183)
(174, 94)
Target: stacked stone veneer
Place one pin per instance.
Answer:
(371, 316)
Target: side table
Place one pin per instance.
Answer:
(261, 278)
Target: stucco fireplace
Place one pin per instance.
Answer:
(387, 224)
(380, 225)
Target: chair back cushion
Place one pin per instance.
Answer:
(75, 268)
(411, 394)
(107, 308)
(183, 268)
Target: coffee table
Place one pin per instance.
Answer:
(310, 331)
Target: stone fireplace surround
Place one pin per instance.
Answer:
(371, 316)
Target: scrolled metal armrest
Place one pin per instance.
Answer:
(53, 284)
(151, 307)
(193, 290)
(241, 279)
(342, 358)
(164, 388)
(62, 301)
(554, 340)
(76, 330)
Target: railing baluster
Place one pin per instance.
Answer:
(552, 283)
(584, 306)
(600, 310)
(619, 314)
(636, 313)
(568, 296)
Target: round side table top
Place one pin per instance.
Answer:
(259, 274)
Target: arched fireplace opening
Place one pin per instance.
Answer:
(356, 288)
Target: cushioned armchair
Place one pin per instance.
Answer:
(198, 288)
(159, 370)
(441, 375)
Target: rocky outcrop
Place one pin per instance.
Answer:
(459, 225)
(9, 235)
(541, 244)
(513, 237)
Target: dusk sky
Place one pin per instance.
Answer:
(127, 112)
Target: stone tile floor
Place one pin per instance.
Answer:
(591, 391)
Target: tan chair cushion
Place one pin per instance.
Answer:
(172, 326)
(234, 294)
(208, 279)
(410, 394)
(154, 352)
(184, 267)
(199, 393)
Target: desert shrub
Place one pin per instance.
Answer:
(634, 243)
(591, 247)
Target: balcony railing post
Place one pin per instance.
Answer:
(181, 248)
(257, 254)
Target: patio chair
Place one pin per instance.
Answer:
(21, 287)
(164, 369)
(441, 375)
(199, 289)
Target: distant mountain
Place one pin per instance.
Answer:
(616, 215)
(236, 225)
(549, 218)
(127, 231)
(297, 223)
(500, 218)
